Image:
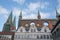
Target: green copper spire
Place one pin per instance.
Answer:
(21, 13)
(14, 21)
(10, 18)
(39, 15)
(8, 24)
(20, 16)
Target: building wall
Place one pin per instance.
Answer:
(5, 37)
(32, 36)
(51, 22)
(56, 32)
(56, 35)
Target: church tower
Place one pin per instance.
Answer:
(39, 16)
(9, 20)
(7, 25)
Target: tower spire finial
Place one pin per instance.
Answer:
(38, 12)
(20, 16)
(39, 15)
(9, 20)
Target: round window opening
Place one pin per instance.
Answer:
(32, 24)
(45, 23)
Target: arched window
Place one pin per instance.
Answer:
(32, 24)
(45, 23)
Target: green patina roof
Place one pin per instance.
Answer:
(8, 24)
(9, 20)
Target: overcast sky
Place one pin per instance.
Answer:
(29, 9)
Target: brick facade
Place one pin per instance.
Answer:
(50, 22)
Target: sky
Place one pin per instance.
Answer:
(29, 9)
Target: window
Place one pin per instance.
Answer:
(44, 36)
(57, 29)
(32, 24)
(38, 28)
(0, 36)
(47, 36)
(21, 30)
(37, 36)
(27, 29)
(45, 30)
(45, 23)
(41, 37)
(51, 36)
(18, 36)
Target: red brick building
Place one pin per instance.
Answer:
(10, 28)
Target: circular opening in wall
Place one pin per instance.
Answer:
(45, 24)
(32, 24)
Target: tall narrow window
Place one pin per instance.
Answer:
(45, 30)
(47, 36)
(41, 37)
(44, 37)
(37, 36)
